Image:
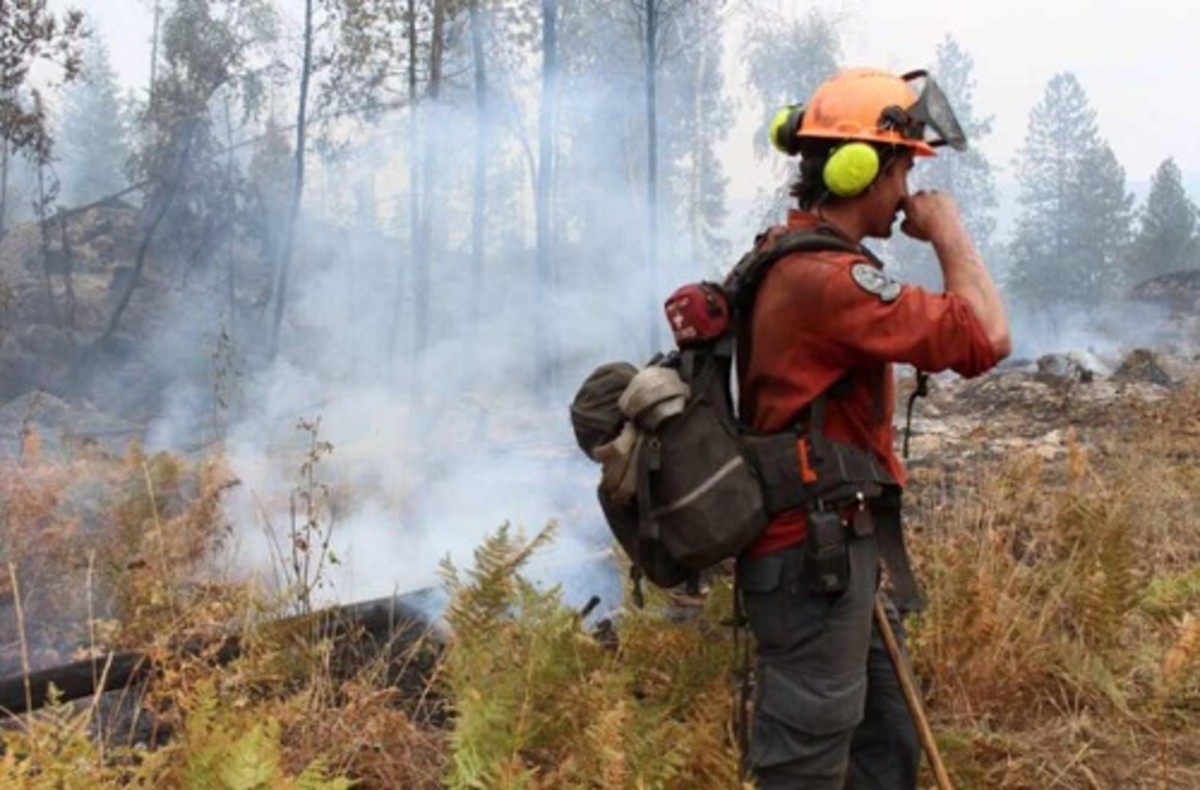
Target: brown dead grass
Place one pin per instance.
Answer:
(115, 553)
(1061, 647)
(107, 550)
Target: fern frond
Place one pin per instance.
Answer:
(1182, 659)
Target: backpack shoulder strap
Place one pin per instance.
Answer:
(742, 284)
(743, 281)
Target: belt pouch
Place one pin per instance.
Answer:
(826, 559)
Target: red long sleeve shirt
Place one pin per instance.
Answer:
(814, 322)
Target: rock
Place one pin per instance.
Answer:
(19, 369)
(1068, 367)
(122, 277)
(1141, 365)
(1016, 363)
(1050, 445)
(36, 406)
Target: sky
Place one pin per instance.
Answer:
(1136, 60)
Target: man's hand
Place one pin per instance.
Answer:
(929, 216)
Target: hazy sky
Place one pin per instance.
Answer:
(1138, 62)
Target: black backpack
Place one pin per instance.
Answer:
(685, 484)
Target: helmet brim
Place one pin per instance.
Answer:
(918, 147)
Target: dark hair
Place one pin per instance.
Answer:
(809, 187)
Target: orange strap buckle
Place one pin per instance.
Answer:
(807, 473)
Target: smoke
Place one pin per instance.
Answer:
(1106, 332)
(409, 485)
(434, 448)
(431, 451)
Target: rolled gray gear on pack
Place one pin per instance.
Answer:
(618, 458)
(595, 416)
(653, 395)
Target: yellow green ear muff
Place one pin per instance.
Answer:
(783, 129)
(851, 168)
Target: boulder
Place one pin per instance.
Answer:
(1066, 367)
(1141, 365)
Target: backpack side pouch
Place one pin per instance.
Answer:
(706, 504)
(656, 564)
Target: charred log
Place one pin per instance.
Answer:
(393, 628)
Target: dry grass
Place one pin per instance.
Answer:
(113, 553)
(106, 550)
(1061, 647)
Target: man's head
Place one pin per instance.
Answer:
(857, 136)
(877, 200)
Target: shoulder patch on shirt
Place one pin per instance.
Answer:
(875, 282)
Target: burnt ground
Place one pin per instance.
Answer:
(1039, 405)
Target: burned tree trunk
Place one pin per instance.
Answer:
(43, 203)
(543, 203)
(3, 187)
(165, 201)
(429, 172)
(289, 236)
(652, 22)
(414, 185)
(479, 202)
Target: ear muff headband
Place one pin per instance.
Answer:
(850, 169)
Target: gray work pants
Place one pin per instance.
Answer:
(828, 712)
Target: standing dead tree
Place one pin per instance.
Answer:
(656, 25)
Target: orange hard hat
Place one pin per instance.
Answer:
(864, 104)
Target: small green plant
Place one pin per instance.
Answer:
(1173, 595)
(226, 749)
(540, 703)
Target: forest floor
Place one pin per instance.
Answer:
(1054, 517)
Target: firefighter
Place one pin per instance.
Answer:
(828, 708)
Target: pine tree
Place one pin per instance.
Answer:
(93, 146)
(787, 58)
(1100, 223)
(30, 34)
(1167, 235)
(193, 197)
(1075, 211)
